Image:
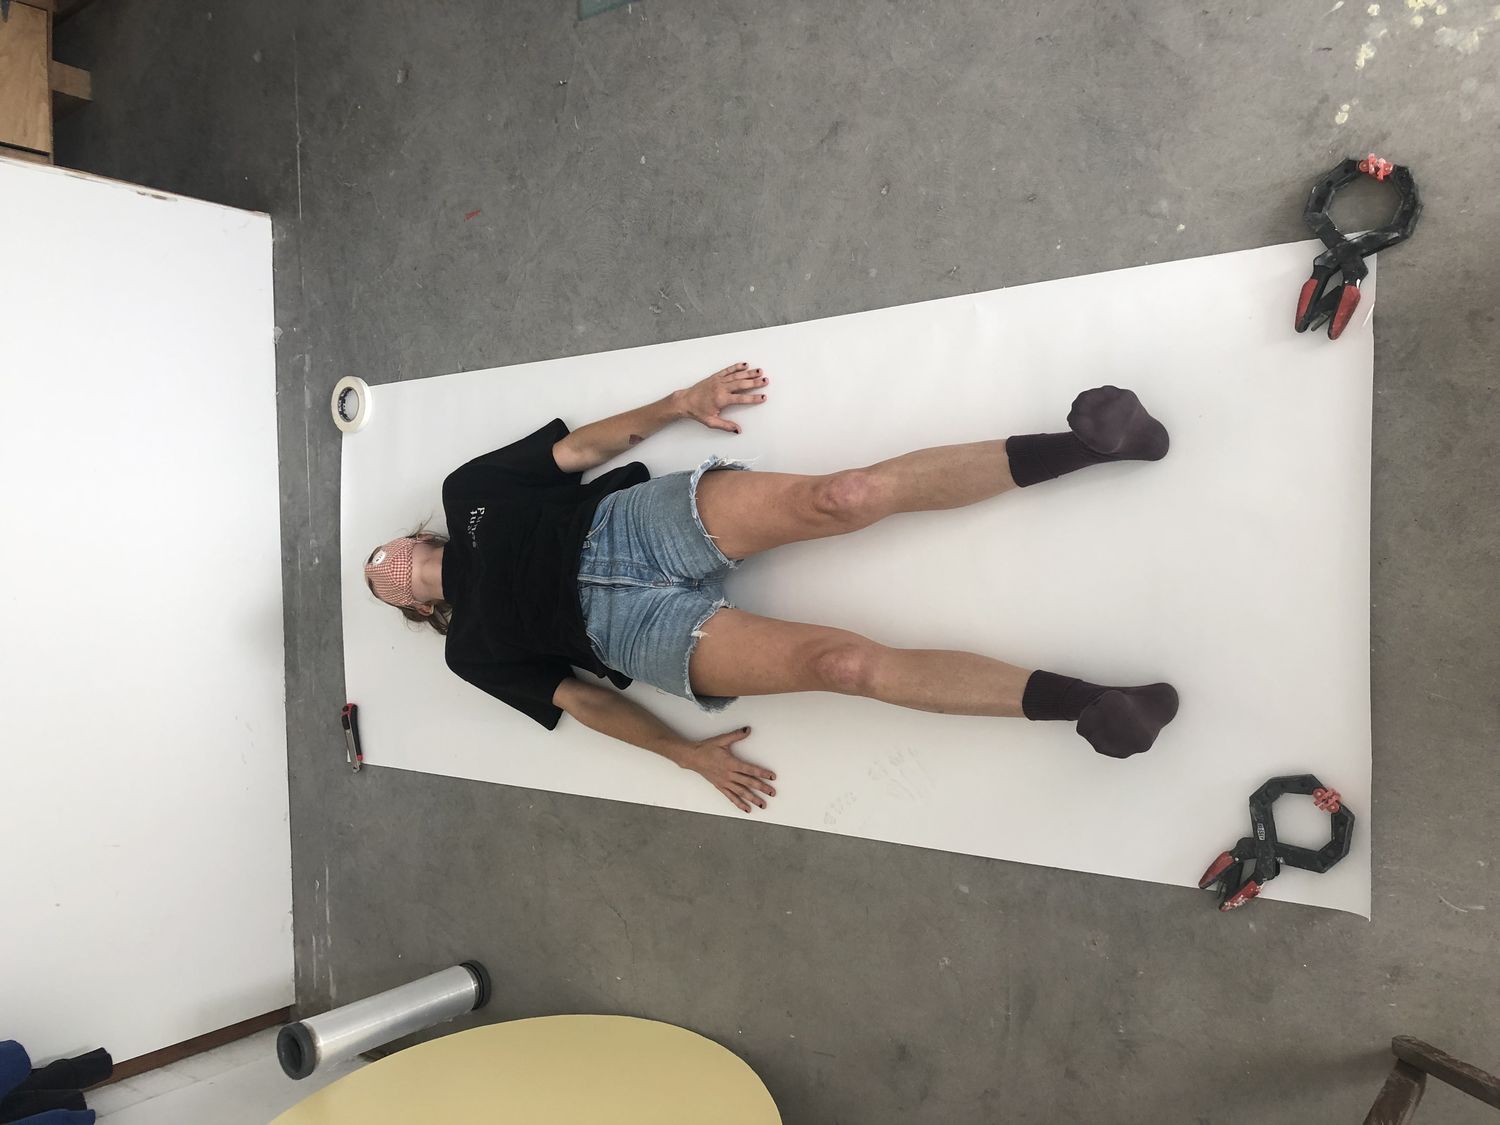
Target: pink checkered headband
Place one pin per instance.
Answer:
(389, 572)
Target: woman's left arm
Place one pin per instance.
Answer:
(591, 446)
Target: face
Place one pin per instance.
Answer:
(389, 571)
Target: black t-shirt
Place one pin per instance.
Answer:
(516, 525)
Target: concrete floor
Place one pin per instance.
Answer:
(634, 176)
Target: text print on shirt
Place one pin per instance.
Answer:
(474, 518)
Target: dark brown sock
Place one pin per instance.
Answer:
(1106, 424)
(1117, 722)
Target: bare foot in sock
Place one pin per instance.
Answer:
(1113, 423)
(1126, 721)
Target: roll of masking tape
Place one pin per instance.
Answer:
(351, 404)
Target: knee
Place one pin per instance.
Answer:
(852, 498)
(847, 667)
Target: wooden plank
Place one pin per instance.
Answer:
(1399, 1097)
(129, 1068)
(25, 99)
(8, 153)
(70, 82)
(1460, 1075)
(60, 9)
(71, 88)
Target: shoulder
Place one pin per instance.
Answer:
(454, 656)
(527, 461)
(463, 480)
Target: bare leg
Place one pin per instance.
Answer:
(740, 653)
(752, 512)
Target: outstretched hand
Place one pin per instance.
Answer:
(736, 385)
(731, 775)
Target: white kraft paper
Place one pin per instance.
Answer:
(1237, 569)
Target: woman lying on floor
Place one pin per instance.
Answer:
(623, 577)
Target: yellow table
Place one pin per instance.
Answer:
(554, 1070)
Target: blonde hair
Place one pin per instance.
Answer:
(442, 611)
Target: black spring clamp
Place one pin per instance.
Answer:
(1346, 254)
(1227, 872)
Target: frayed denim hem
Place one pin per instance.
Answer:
(707, 467)
(710, 703)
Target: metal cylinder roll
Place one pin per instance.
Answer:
(342, 1033)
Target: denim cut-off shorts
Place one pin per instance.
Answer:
(649, 577)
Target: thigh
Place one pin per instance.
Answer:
(747, 513)
(741, 653)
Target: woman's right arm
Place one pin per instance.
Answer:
(611, 713)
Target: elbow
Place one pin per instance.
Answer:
(573, 696)
(569, 458)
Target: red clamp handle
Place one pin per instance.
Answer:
(1304, 300)
(1241, 896)
(1347, 300)
(1215, 869)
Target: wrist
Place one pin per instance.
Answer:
(682, 752)
(677, 406)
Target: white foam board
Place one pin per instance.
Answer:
(142, 685)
